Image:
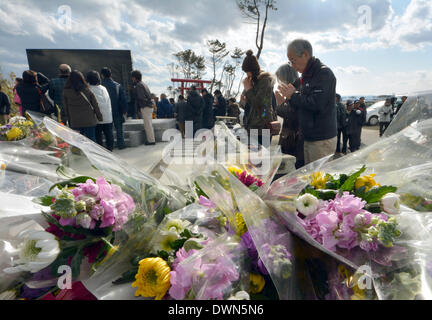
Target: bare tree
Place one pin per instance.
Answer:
(218, 53)
(257, 10)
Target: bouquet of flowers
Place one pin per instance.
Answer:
(83, 221)
(18, 128)
(366, 218)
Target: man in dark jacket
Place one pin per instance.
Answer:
(56, 86)
(315, 100)
(179, 110)
(208, 115)
(341, 124)
(220, 108)
(119, 105)
(355, 124)
(196, 103)
(4, 108)
(31, 89)
(165, 110)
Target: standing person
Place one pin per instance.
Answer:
(102, 96)
(385, 116)
(132, 112)
(180, 108)
(341, 125)
(234, 110)
(4, 108)
(56, 86)
(172, 101)
(220, 107)
(291, 139)
(81, 106)
(17, 99)
(208, 115)
(355, 123)
(144, 103)
(196, 104)
(30, 91)
(258, 89)
(400, 104)
(119, 104)
(165, 109)
(316, 101)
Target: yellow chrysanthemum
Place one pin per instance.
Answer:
(2, 166)
(240, 224)
(319, 180)
(235, 170)
(257, 283)
(366, 181)
(14, 134)
(349, 282)
(152, 279)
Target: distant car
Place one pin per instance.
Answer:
(372, 116)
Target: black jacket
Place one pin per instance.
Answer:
(220, 107)
(4, 103)
(30, 96)
(208, 115)
(180, 108)
(197, 105)
(355, 122)
(316, 102)
(341, 116)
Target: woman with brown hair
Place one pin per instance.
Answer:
(81, 106)
(258, 90)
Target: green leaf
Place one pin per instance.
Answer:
(71, 182)
(64, 207)
(322, 194)
(374, 194)
(178, 244)
(163, 254)
(350, 182)
(44, 201)
(76, 263)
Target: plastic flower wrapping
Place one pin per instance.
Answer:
(370, 211)
(17, 128)
(355, 228)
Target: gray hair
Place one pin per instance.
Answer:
(286, 74)
(300, 46)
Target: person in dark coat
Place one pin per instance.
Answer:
(220, 108)
(30, 90)
(354, 126)
(81, 106)
(119, 104)
(165, 110)
(56, 86)
(341, 125)
(4, 108)
(234, 110)
(314, 95)
(196, 105)
(179, 110)
(291, 139)
(208, 115)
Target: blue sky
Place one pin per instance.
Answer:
(392, 56)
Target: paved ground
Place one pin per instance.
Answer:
(148, 158)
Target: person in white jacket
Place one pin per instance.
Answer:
(385, 113)
(104, 127)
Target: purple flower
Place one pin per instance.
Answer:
(67, 221)
(90, 187)
(207, 203)
(257, 264)
(108, 218)
(97, 212)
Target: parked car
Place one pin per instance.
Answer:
(372, 116)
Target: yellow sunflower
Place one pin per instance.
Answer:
(152, 279)
(366, 181)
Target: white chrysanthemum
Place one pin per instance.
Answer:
(307, 204)
(38, 250)
(178, 225)
(164, 240)
(390, 203)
